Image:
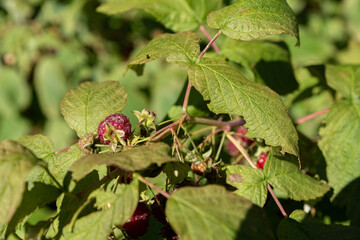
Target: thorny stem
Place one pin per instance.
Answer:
(247, 157)
(162, 192)
(207, 35)
(311, 116)
(187, 94)
(276, 200)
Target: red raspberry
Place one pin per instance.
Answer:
(261, 161)
(139, 222)
(119, 122)
(244, 141)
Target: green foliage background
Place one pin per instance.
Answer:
(50, 46)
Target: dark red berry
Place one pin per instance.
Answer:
(158, 211)
(139, 222)
(261, 161)
(244, 141)
(118, 121)
(168, 233)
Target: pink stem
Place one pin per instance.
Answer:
(311, 116)
(62, 150)
(276, 200)
(162, 192)
(207, 35)
(209, 44)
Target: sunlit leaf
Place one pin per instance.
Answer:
(177, 15)
(247, 20)
(229, 92)
(181, 48)
(130, 159)
(15, 163)
(211, 213)
(340, 144)
(345, 80)
(87, 105)
(250, 183)
(282, 172)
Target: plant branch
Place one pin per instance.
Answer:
(162, 192)
(188, 89)
(207, 35)
(247, 157)
(63, 150)
(276, 200)
(209, 44)
(311, 116)
(241, 149)
(216, 123)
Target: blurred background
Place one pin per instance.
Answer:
(50, 46)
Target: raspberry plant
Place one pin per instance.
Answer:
(227, 158)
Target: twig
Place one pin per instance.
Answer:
(188, 89)
(162, 192)
(63, 150)
(207, 35)
(209, 44)
(276, 200)
(241, 149)
(311, 116)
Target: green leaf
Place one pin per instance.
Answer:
(130, 159)
(60, 166)
(176, 171)
(229, 92)
(87, 105)
(122, 203)
(43, 148)
(340, 144)
(268, 60)
(93, 226)
(211, 212)
(37, 197)
(344, 79)
(176, 111)
(15, 163)
(180, 48)
(50, 86)
(250, 53)
(250, 183)
(177, 15)
(117, 209)
(247, 20)
(300, 226)
(282, 172)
